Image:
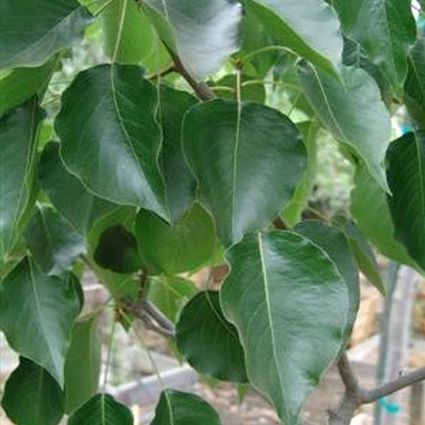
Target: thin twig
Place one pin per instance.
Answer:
(163, 73)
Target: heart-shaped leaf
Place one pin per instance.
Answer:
(178, 248)
(33, 30)
(352, 110)
(247, 158)
(278, 294)
(110, 138)
(178, 408)
(39, 328)
(32, 396)
(101, 409)
(208, 341)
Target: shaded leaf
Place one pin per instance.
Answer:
(85, 208)
(406, 159)
(251, 90)
(32, 396)
(53, 242)
(170, 293)
(247, 161)
(39, 328)
(18, 144)
(208, 341)
(83, 363)
(178, 408)
(117, 250)
(296, 25)
(182, 247)
(101, 409)
(386, 29)
(110, 138)
(203, 34)
(352, 110)
(278, 294)
(179, 181)
(370, 208)
(32, 31)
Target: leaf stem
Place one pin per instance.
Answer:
(102, 8)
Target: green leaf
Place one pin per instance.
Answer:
(296, 25)
(278, 294)
(363, 253)
(170, 293)
(101, 409)
(370, 209)
(53, 242)
(85, 208)
(386, 29)
(203, 34)
(178, 408)
(208, 341)
(182, 247)
(242, 183)
(251, 90)
(18, 145)
(32, 396)
(23, 83)
(352, 110)
(117, 250)
(179, 181)
(110, 138)
(83, 363)
(40, 327)
(334, 242)
(124, 23)
(414, 87)
(406, 159)
(32, 31)
(293, 211)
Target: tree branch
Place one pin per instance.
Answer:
(394, 385)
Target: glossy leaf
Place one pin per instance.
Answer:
(203, 34)
(243, 183)
(23, 83)
(128, 31)
(386, 29)
(278, 294)
(32, 396)
(178, 408)
(208, 341)
(352, 110)
(37, 314)
(53, 242)
(117, 250)
(334, 242)
(170, 294)
(370, 209)
(83, 363)
(296, 25)
(110, 138)
(179, 181)
(363, 253)
(101, 409)
(85, 208)
(406, 158)
(182, 247)
(32, 31)
(414, 87)
(18, 144)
